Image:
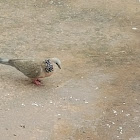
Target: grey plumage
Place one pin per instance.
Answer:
(33, 69)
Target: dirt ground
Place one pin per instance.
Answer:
(96, 95)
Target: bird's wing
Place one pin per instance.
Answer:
(30, 68)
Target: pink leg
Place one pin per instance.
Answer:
(37, 82)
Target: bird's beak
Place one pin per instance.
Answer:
(58, 66)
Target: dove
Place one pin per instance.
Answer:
(34, 69)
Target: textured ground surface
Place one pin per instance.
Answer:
(96, 95)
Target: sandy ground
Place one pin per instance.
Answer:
(96, 95)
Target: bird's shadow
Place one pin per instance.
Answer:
(14, 79)
(20, 81)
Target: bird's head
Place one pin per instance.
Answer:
(57, 62)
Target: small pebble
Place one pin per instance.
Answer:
(120, 127)
(35, 104)
(86, 102)
(113, 123)
(127, 114)
(134, 28)
(114, 111)
(97, 88)
(50, 101)
(23, 104)
(123, 51)
(108, 125)
(23, 126)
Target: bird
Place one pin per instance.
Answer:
(33, 69)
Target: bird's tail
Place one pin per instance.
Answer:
(4, 61)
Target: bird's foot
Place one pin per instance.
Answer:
(37, 82)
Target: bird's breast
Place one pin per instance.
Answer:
(48, 74)
(45, 74)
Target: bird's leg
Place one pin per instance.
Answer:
(37, 82)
